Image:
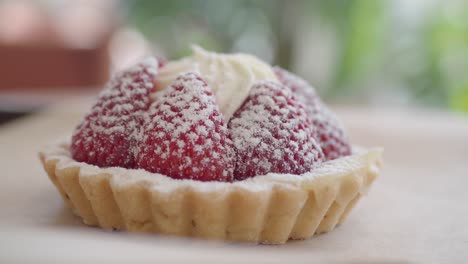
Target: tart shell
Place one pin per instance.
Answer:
(267, 209)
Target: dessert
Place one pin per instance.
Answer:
(214, 146)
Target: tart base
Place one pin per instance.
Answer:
(267, 209)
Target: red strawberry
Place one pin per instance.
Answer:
(162, 61)
(107, 135)
(300, 88)
(186, 136)
(330, 132)
(272, 133)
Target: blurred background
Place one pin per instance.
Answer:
(378, 53)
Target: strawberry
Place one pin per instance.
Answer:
(186, 136)
(162, 61)
(300, 88)
(272, 133)
(330, 132)
(107, 135)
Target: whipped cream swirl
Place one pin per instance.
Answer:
(230, 76)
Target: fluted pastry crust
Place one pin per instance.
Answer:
(267, 209)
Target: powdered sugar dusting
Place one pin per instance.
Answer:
(272, 133)
(180, 131)
(330, 131)
(230, 76)
(331, 134)
(185, 135)
(108, 133)
(124, 99)
(300, 88)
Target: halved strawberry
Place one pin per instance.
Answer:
(107, 135)
(186, 136)
(272, 133)
(330, 132)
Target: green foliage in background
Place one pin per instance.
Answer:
(360, 35)
(425, 62)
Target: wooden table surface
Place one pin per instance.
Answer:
(416, 212)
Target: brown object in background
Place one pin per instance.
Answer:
(47, 66)
(54, 46)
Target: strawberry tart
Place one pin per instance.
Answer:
(219, 146)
